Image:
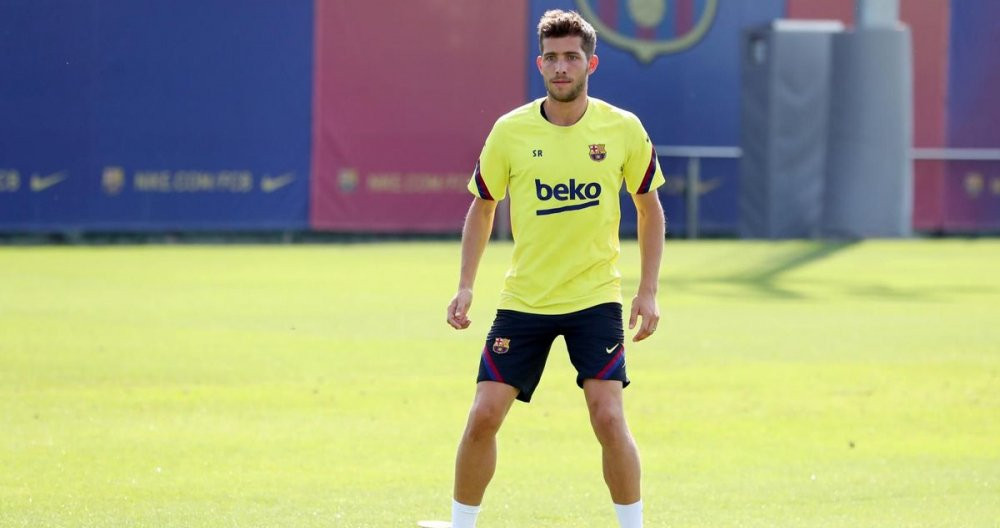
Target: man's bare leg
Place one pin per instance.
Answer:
(477, 453)
(620, 456)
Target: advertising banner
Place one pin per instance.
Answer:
(972, 191)
(400, 119)
(156, 115)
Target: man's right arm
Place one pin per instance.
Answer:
(475, 235)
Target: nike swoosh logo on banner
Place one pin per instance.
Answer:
(40, 183)
(273, 184)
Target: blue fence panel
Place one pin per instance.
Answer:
(46, 82)
(156, 115)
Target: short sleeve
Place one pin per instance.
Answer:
(641, 168)
(492, 172)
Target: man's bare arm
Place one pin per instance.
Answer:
(475, 234)
(651, 233)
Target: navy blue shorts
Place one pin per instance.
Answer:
(518, 345)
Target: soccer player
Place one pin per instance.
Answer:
(563, 159)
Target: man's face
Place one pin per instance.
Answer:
(565, 67)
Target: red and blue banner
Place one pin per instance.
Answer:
(956, 79)
(368, 116)
(972, 190)
(405, 94)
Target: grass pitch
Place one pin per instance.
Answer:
(790, 384)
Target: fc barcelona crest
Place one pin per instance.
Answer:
(648, 28)
(597, 152)
(501, 345)
(113, 179)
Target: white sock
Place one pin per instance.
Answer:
(629, 515)
(462, 515)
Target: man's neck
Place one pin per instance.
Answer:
(565, 114)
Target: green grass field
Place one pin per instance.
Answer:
(790, 385)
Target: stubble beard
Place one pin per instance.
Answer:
(570, 96)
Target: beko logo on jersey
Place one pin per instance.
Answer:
(562, 192)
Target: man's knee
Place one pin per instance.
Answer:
(608, 421)
(488, 412)
(607, 414)
(484, 421)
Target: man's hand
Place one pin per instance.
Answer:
(458, 310)
(644, 305)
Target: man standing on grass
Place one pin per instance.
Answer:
(563, 159)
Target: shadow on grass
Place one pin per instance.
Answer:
(759, 281)
(765, 280)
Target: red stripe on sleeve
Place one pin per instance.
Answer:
(484, 191)
(647, 180)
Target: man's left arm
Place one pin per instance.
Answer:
(651, 234)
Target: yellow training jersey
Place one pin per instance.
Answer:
(564, 183)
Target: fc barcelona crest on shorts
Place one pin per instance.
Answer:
(597, 152)
(501, 345)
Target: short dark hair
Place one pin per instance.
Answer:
(557, 23)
